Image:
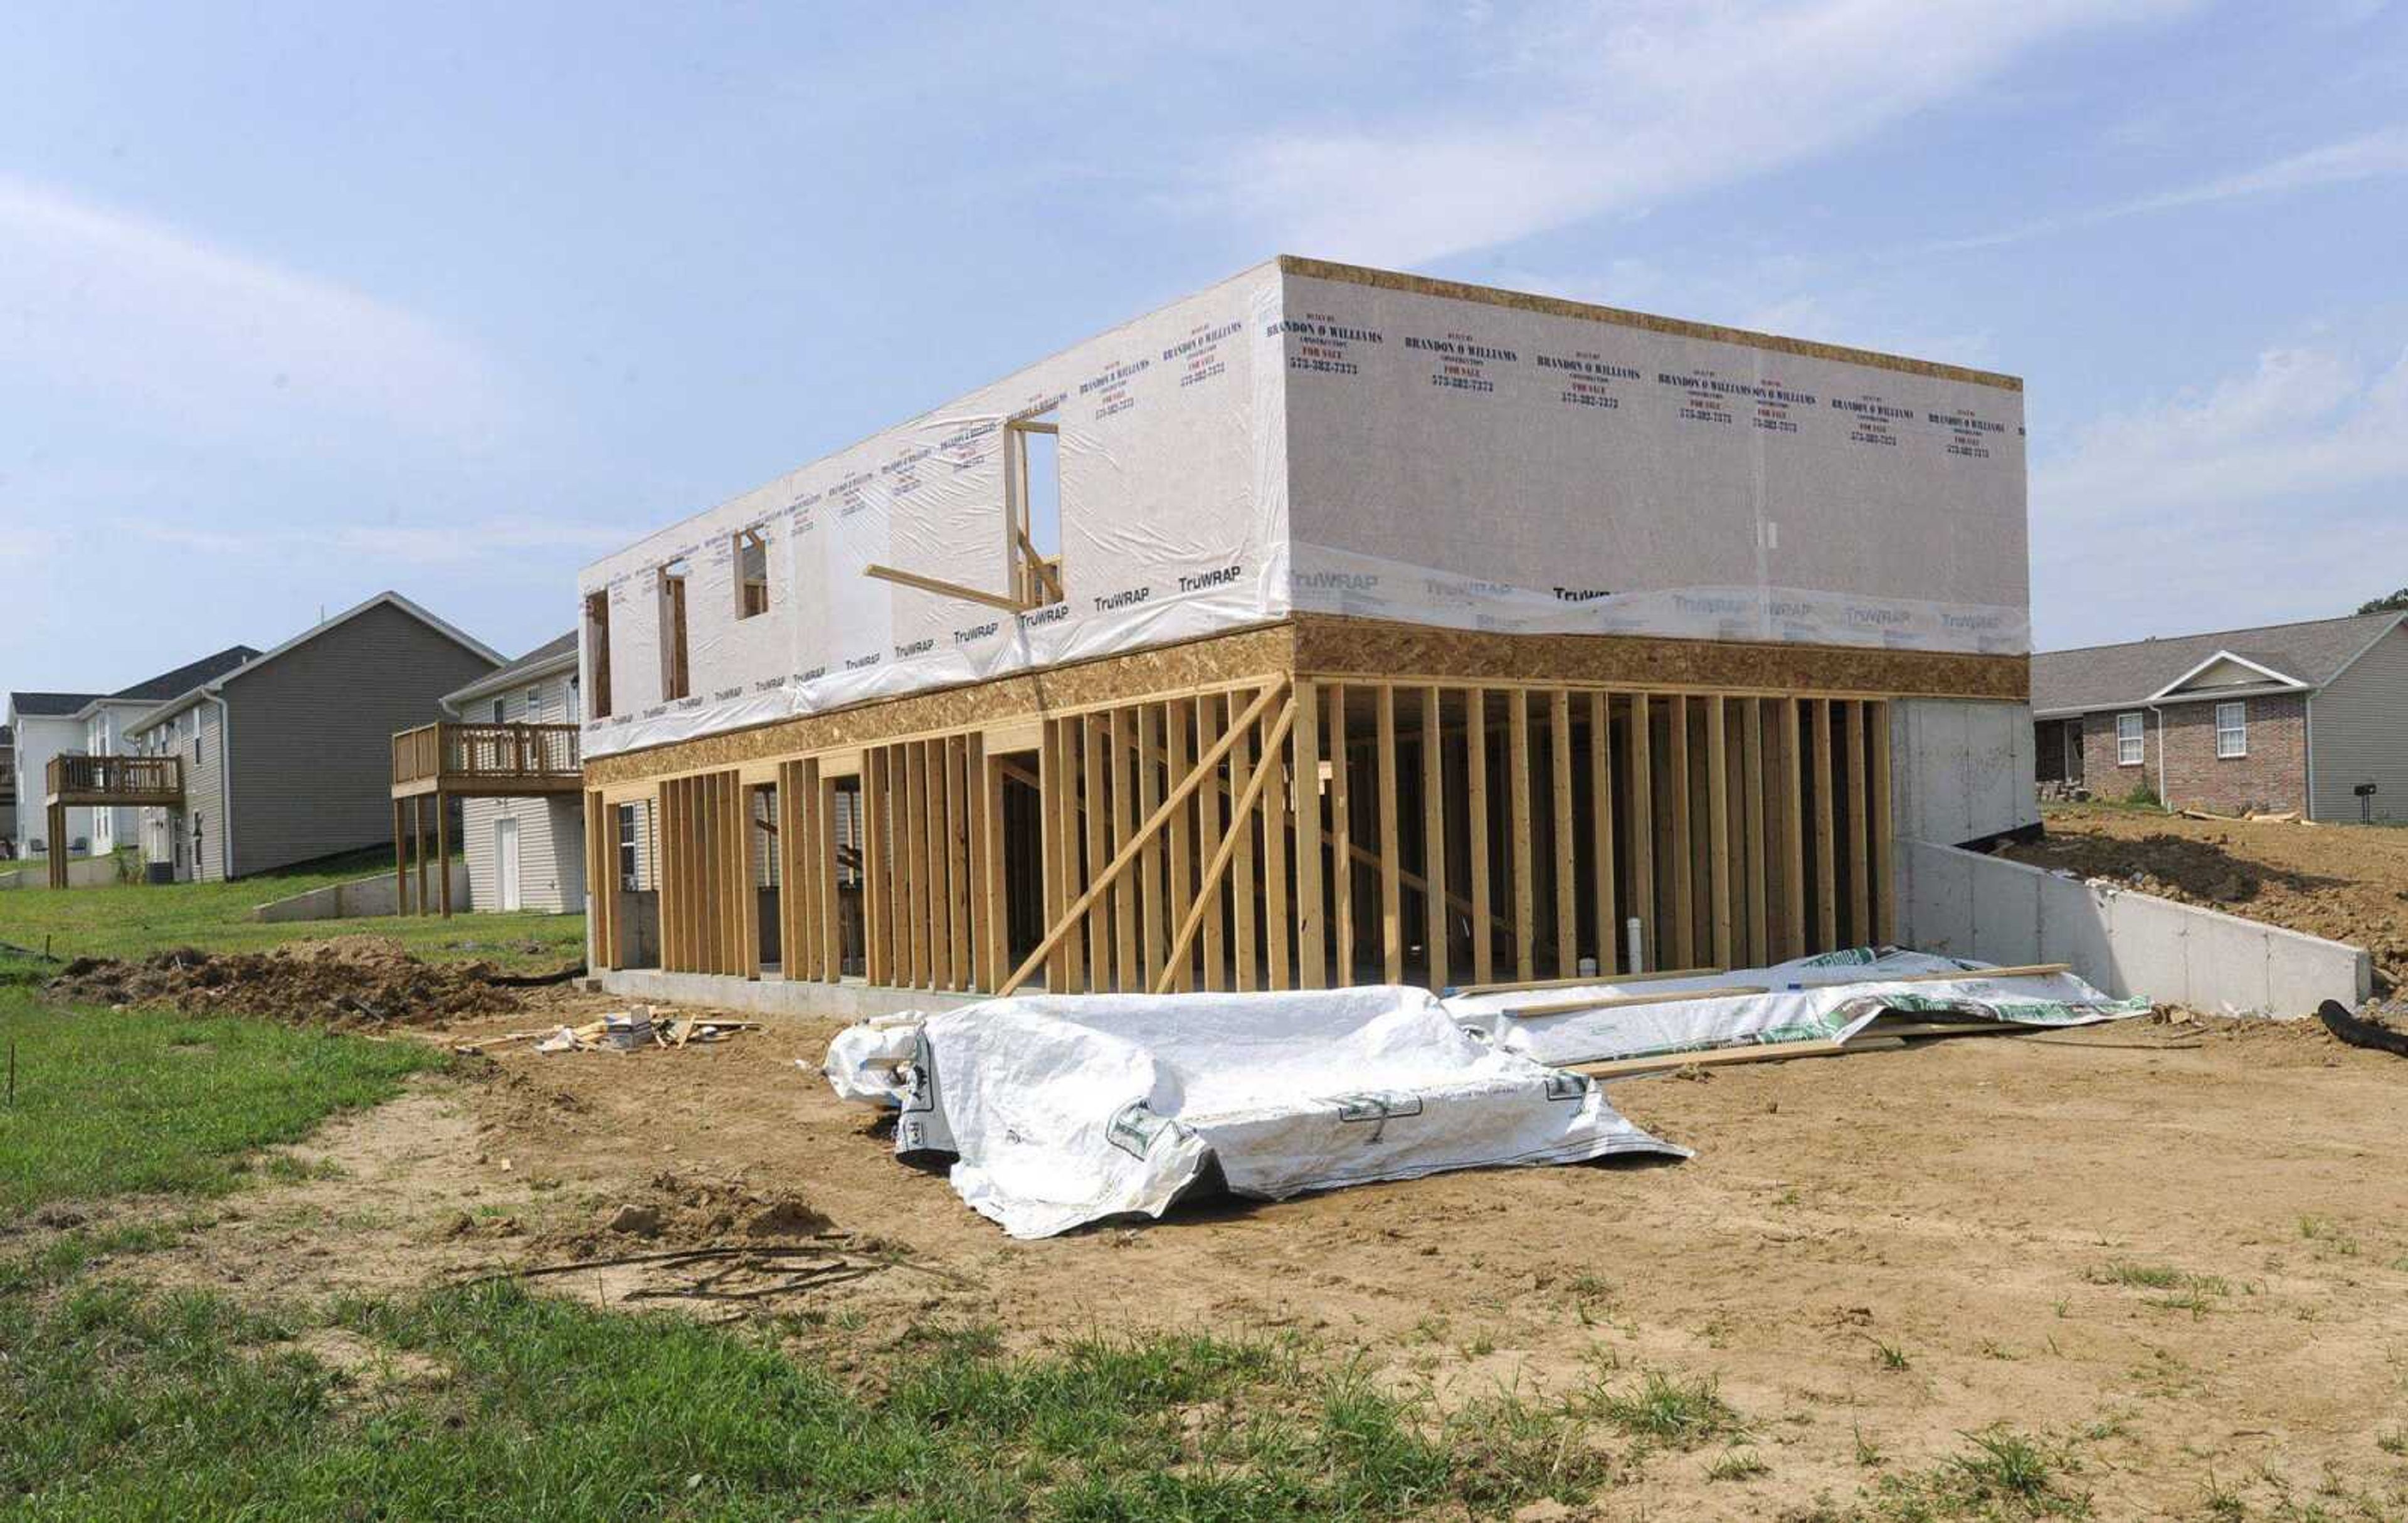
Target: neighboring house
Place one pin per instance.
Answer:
(288, 756)
(526, 852)
(105, 724)
(2294, 716)
(47, 725)
(44, 724)
(8, 790)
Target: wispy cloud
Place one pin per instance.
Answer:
(415, 545)
(2274, 494)
(186, 339)
(2375, 155)
(1585, 109)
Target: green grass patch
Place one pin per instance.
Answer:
(2001, 1474)
(133, 920)
(1666, 1409)
(110, 1102)
(492, 1404)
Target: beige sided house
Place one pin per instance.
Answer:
(526, 847)
(287, 758)
(2308, 716)
(1329, 626)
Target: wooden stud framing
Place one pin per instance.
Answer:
(1311, 950)
(1600, 803)
(1858, 789)
(1885, 866)
(1526, 899)
(1149, 867)
(1241, 883)
(1279, 974)
(1718, 825)
(1182, 713)
(1641, 815)
(1475, 781)
(1752, 829)
(1096, 737)
(1434, 837)
(1826, 892)
(1120, 863)
(1118, 765)
(1342, 841)
(1789, 772)
(1567, 874)
(1676, 762)
(1392, 908)
(1241, 812)
(1208, 804)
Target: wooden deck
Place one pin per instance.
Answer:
(80, 782)
(438, 763)
(486, 761)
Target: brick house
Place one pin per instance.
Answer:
(2298, 716)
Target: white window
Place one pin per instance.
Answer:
(2232, 729)
(2128, 741)
(499, 714)
(535, 705)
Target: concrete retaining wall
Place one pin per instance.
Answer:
(375, 895)
(1962, 904)
(82, 872)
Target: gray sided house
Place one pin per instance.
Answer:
(524, 851)
(288, 756)
(2298, 716)
(44, 726)
(9, 788)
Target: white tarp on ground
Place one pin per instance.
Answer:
(1826, 998)
(1066, 1109)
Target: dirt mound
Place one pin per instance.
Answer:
(350, 982)
(675, 1210)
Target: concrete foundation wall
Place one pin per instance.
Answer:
(361, 897)
(1962, 904)
(847, 1001)
(1962, 770)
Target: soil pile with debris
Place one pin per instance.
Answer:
(348, 982)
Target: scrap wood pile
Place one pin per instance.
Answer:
(351, 982)
(621, 1031)
(715, 1244)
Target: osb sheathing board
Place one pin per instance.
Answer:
(1327, 645)
(1251, 656)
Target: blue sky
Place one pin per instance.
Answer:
(300, 302)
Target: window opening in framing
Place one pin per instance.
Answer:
(752, 573)
(1032, 475)
(675, 673)
(597, 647)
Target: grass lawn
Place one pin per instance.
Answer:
(129, 920)
(114, 1102)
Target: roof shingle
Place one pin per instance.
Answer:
(2124, 676)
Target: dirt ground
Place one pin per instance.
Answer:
(1877, 1255)
(2345, 882)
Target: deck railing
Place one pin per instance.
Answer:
(486, 753)
(142, 777)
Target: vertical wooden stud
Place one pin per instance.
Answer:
(1858, 789)
(1095, 736)
(1642, 898)
(1119, 771)
(1434, 838)
(1179, 714)
(1559, 762)
(1600, 803)
(1884, 863)
(1392, 913)
(1526, 899)
(1827, 891)
(1718, 825)
(1304, 743)
(1149, 868)
(1676, 762)
(1242, 875)
(1475, 783)
(1278, 972)
(1208, 811)
(1751, 830)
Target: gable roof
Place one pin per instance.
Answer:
(191, 674)
(2134, 673)
(50, 705)
(384, 599)
(554, 654)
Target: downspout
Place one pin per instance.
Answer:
(2308, 737)
(225, 785)
(2164, 797)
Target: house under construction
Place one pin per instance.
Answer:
(1330, 625)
